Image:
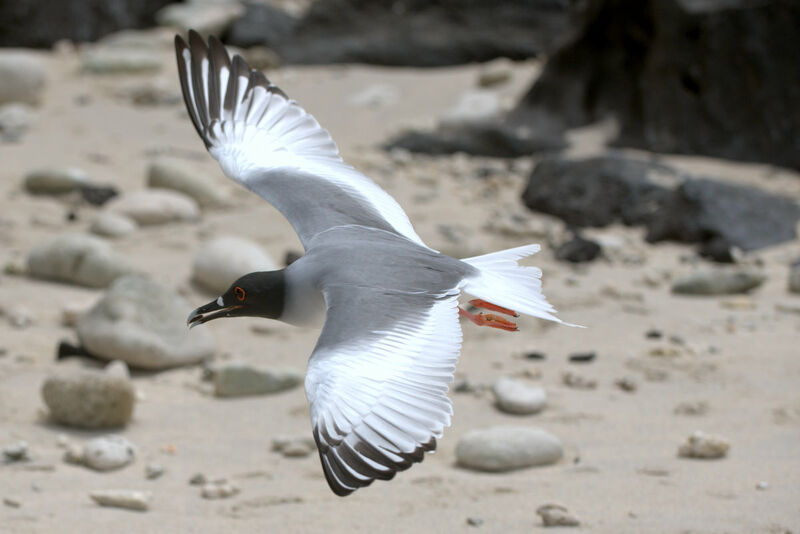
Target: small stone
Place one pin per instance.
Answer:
(224, 259)
(54, 181)
(517, 398)
(77, 259)
(15, 120)
(503, 448)
(626, 383)
(575, 381)
(22, 77)
(90, 399)
(74, 454)
(176, 175)
(235, 379)
(653, 334)
(691, 408)
(294, 447)
(120, 498)
(143, 324)
(556, 515)
(18, 317)
(219, 489)
(155, 206)
(120, 60)
(535, 356)
(261, 58)
(719, 282)
(701, 445)
(153, 471)
(762, 485)
(109, 224)
(472, 108)
(108, 453)
(16, 451)
(11, 503)
(198, 479)
(582, 357)
(665, 351)
(495, 72)
(578, 250)
(474, 521)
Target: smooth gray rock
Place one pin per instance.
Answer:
(108, 60)
(224, 259)
(77, 259)
(16, 452)
(15, 120)
(556, 515)
(22, 77)
(120, 498)
(90, 399)
(515, 397)
(705, 446)
(110, 224)
(718, 282)
(176, 175)
(471, 108)
(54, 181)
(107, 453)
(143, 324)
(503, 448)
(240, 379)
(155, 206)
(202, 16)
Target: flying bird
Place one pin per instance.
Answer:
(378, 377)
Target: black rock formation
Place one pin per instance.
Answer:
(712, 77)
(40, 23)
(261, 24)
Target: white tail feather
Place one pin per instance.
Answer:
(505, 283)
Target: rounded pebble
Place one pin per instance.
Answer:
(503, 448)
(224, 259)
(517, 398)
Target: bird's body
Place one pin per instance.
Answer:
(378, 377)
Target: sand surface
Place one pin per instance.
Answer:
(620, 473)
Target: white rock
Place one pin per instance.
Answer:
(109, 224)
(121, 498)
(22, 77)
(515, 397)
(89, 399)
(219, 489)
(107, 453)
(16, 451)
(474, 107)
(224, 259)
(153, 471)
(54, 181)
(106, 60)
(701, 445)
(239, 379)
(155, 206)
(294, 447)
(77, 259)
(555, 515)
(15, 120)
(176, 175)
(202, 16)
(143, 324)
(503, 448)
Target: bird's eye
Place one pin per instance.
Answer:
(239, 292)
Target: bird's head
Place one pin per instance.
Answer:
(258, 294)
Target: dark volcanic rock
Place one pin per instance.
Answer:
(602, 190)
(718, 214)
(595, 191)
(715, 77)
(492, 140)
(40, 23)
(578, 250)
(424, 33)
(261, 24)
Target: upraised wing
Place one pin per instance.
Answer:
(378, 379)
(272, 146)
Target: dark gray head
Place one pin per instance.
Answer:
(253, 295)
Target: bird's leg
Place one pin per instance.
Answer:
(488, 319)
(479, 303)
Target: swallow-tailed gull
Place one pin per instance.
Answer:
(378, 377)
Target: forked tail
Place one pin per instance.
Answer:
(502, 281)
